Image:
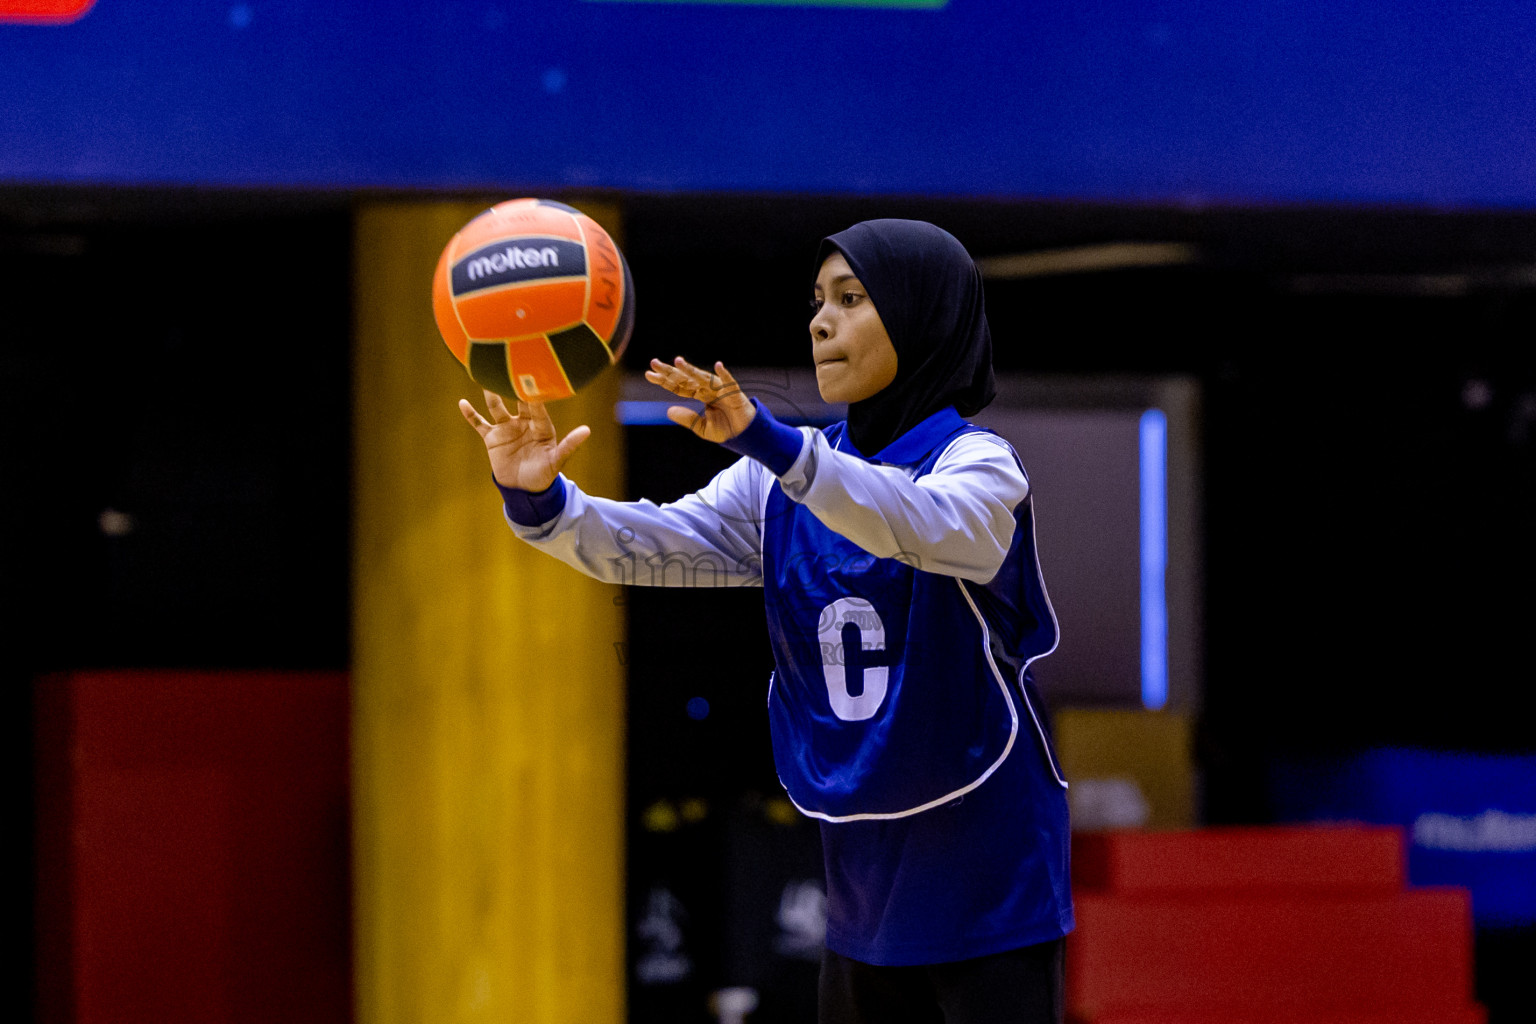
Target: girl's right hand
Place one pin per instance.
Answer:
(524, 451)
(727, 410)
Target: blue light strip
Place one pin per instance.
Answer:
(1154, 559)
(642, 414)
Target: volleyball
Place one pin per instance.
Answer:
(534, 299)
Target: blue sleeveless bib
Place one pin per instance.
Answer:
(896, 690)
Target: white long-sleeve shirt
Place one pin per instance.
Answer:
(957, 520)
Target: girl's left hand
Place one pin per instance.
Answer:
(727, 410)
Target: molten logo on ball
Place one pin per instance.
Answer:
(499, 264)
(512, 259)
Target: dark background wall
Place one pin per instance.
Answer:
(176, 395)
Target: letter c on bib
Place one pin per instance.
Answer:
(834, 659)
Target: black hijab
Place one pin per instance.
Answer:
(927, 290)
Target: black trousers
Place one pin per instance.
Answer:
(1020, 986)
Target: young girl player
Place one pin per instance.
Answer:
(904, 599)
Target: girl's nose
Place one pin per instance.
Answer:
(819, 329)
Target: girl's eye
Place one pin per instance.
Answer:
(849, 298)
(815, 306)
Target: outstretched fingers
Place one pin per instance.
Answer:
(674, 377)
(481, 425)
(685, 380)
(498, 407)
(568, 444)
(686, 417)
(535, 414)
(727, 383)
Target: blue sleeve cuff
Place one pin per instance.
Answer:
(525, 508)
(774, 444)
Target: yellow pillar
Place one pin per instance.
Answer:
(488, 697)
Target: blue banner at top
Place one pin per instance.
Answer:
(1470, 818)
(1377, 101)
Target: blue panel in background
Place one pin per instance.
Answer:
(1152, 449)
(1470, 818)
(1180, 100)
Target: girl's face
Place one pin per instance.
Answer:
(854, 356)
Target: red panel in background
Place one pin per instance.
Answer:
(1264, 925)
(46, 11)
(1278, 858)
(1366, 955)
(193, 847)
(1289, 1015)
